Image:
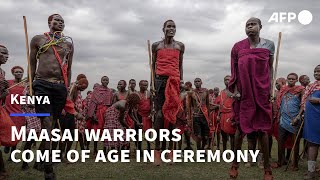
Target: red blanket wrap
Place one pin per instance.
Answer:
(215, 127)
(182, 122)
(226, 113)
(144, 111)
(15, 108)
(167, 64)
(250, 72)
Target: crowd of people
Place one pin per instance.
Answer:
(245, 107)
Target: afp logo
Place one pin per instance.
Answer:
(304, 17)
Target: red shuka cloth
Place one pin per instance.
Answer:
(182, 122)
(214, 116)
(167, 64)
(15, 108)
(144, 111)
(226, 113)
(279, 96)
(101, 110)
(100, 95)
(6, 125)
(250, 72)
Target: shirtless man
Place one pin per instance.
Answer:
(183, 121)
(122, 93)
(199, 103)
(4, 54)
(167, 57)
(53, 53)
(251, 84)
(144, 111)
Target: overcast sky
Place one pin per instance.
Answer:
(110, 36)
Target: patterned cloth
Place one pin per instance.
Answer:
(100, 96)
(86, 102)
(15, 108)
(112, 122)
(309, 90)
(32, 122)
(311, 130)
(226, 120)
(290, 107)
(80, 124)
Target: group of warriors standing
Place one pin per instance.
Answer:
(244, 107)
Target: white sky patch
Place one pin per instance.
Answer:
(110, 37)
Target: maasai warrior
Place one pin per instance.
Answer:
(85, 103)
(199, 104)
(167, 58)
(4, 55)
(144, 110)
(80, 120)
(32, 122)
(115, 119)
(17, 90)
(304, 80)
(182, 119)
(225, 116)
(252, 71)
(53, 54)
(311, 106)
(214, 126)
(280, 82)
(122, 93)
(289, 102)
(101, 100)
(132, 86)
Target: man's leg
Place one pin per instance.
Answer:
(27, 146)
(312, 158)
(232, 141)
(204, 132)
(270, 145)
(47, 124)
(238, 143)
(197, 131)
(188, 140)
(283, 134)
(12, 149)
(224, 140)
(3, 172)
(252, 143)
(218, 139)
(296, 153)
(158, 124)
(264, 139)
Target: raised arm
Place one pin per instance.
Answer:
(69, 60)
(33, 55)
(154, 57)
(181, 61)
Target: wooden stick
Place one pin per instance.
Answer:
(28, 54)
(22, 81)
(152, 80)
(276, 66)
(294, 144)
